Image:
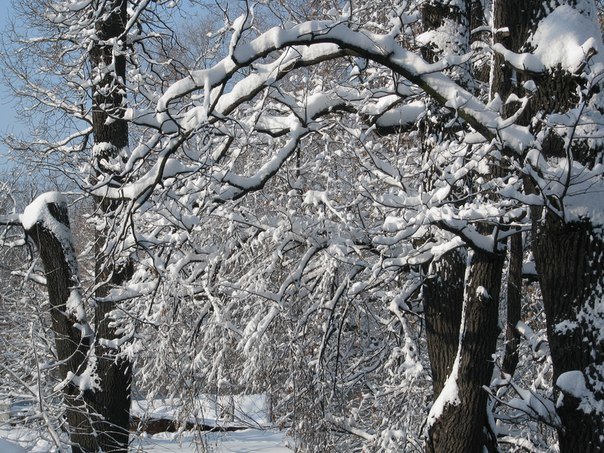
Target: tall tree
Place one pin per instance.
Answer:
(110, 136)
(84, 94)
(447, 29)
(567, 243)
(461, 315)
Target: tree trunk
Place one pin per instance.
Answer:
(514, 305)
(442, 296)
(570, 263)
(458, 420)
(443, 287)
(515, 15)
(48, 227)
(110, 131)
(568, 255)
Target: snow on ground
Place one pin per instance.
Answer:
(10, 447)
(16, 439)
(246, 441)
(247, 411)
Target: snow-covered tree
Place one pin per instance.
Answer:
(270, 218)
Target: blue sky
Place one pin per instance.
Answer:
(8, 122)
(4, 14)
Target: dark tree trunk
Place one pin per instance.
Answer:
(443, 287)
(514, 305)
(442, 296)
(110, 131)
(570, 264)
(465, 361)
(568, 255)
(72, 343)
(516, 16)
(462, 424)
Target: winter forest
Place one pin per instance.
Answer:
(379, 221)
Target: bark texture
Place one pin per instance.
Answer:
(442, 295)
(514, 305)
(58, 258)
(568, 255)
(442, 291)
(465, 360)
(570, 264)
(110, 131)
(463, 425)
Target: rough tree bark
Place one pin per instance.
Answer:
(443, 286)
(110, 131)
(458, 421)
(46, 223)
(514, 305)
(460, 341)
(569, 257)
(568, 254)
(442, 295)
